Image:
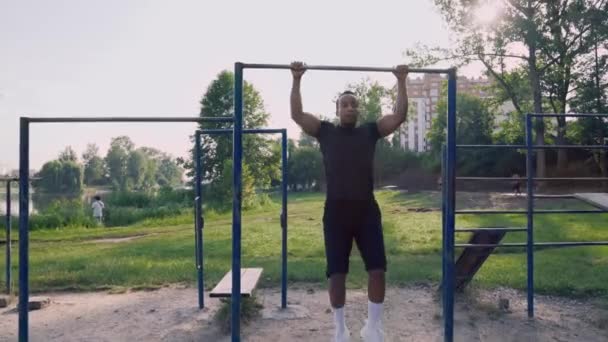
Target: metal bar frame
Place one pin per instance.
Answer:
(450, 184)
(24, 166)
(498, 212)
(530, 148)
(536, 244)
(535, 147)
(199, 205)
(8, 222)
(533, 178)
(449, 280)
(530, 172)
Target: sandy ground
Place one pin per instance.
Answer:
(411, 314)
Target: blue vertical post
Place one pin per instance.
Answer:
(198, 226)
(24, 203)
(284, 219)
(444, 285)
(237, 150)
(530, 214)
(448, 252)
(8, 237)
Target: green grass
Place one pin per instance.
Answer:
(72, 259)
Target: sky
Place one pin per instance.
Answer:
(157, 58)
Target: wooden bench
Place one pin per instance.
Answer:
(249, 280)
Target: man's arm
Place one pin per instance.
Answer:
(389, 123)
(309, 123)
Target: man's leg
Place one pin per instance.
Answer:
(370, 241)
(376, 285)
(337, 290)
(338, 244)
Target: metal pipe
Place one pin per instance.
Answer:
(451, 206)
(572, 147)
(237, 150)
(24, 203)
(536, 244)
(572, 115)
(530, 216)
(245, 131)
(493, 212)
(8, 237)
(465, 146)
(536, 147)
(444, 234)
(343, 68)
(474, 230)
(284, 183)
(544, 179)
(130, 119)
(199, 221)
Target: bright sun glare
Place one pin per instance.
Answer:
(487, 11)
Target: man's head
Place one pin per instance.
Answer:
(97, 198)
(347, 108)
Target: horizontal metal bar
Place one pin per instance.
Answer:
(342, 68)
(523, 179)
(535, 147)
(9, 179)
(573, 115)
(488, 212)
(572, 147)
(249, 131)
(489, 245)
(492, 146)
(536, 244)
(130, 119)
(505, 229)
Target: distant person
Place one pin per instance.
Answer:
(516, 184)
(98, 207)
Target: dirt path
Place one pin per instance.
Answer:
(170, 314)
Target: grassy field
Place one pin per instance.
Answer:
(76, 259)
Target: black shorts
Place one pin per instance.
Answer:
(345, 221)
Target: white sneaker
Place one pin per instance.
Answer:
(371, 333)
(342, 337)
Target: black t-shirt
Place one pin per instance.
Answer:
(348, 156)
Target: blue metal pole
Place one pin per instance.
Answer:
(24, 190)
(237, 149)
(451, 204)
(530, 215)
(284, 220)
(444, 285)
(199, 221)
(8, 237)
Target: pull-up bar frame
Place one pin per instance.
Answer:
(199, 222)
(24, 189)
(448, 248)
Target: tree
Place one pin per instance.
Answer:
(137, 166)
(257, 150)
(222, 188)
(60, 176)
(169, 173)
(305, 167)
(94, 166)
(553, 33)
(117, 159)
(307, 140)
(372, 98)
(474, 125)
(68, 154)
(592, 97)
